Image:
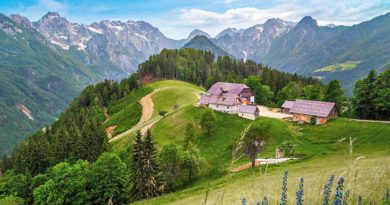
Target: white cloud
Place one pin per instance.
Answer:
(342, 12)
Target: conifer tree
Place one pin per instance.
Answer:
(136, 169)
(153, 183)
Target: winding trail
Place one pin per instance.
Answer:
(147, 112)
(147, 120)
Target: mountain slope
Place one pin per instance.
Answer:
(201, 42)
(37, 83)
(305, 47)
(123, 44)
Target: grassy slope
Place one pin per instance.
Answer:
(126, 113)
(348, 65)
(322, 154)
(167, 94)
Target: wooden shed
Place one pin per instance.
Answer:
(306, 110)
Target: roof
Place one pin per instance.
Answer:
(247, 109)
(222, 87)
(226, 99)
(314, 108)
(222, 93)
(288, 104)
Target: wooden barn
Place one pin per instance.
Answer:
(287, 105)
(306, 110)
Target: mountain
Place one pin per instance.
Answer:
(37, 82)
(123, 44)
(254, 41)
(197, 32)
(203, 43)
(305, 47)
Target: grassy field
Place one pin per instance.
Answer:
(347, 65)
(168, 95)
(126, 112)
(323, 151)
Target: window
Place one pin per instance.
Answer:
(227, 107)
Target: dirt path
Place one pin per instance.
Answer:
(266, 112)
(261, 162)
(147, 112)
(110, 130)
(377, 121)
(105, 113)
(146, 121)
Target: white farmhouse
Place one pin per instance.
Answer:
(232, 98)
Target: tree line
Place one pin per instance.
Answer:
(372, 96)
(78, 133)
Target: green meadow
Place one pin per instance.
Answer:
(322, 151)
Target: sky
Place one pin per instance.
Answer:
(177, 18)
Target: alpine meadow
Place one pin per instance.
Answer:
(194, 102)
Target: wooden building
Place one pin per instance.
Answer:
(308, 110)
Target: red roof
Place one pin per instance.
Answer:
(311, 107)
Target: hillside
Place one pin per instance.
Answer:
(320, 148)
(34, 79)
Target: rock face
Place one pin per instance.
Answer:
(125, 44)
(252, 42)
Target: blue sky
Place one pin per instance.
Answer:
(177, 18)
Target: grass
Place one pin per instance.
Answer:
(172, 95)
(347, 65)
(323, 154)
(126, 112)
(323, 151)
(167, 94)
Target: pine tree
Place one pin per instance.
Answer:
(334, 93)
(136, 169)
(153, 183)
(364, 97)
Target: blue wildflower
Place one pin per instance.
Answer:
(328, 190)
(283, 199)
(299, 193)
(244, 201)
(338, 197)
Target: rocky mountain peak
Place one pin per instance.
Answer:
(307, 22)
(21, 20)
(51, 14)
(227, 32)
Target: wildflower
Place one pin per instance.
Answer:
(283, 199)
(244, 201)
(360, 200)
(338, 198)
(328, 190)
(265, 201)
(299, 193)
